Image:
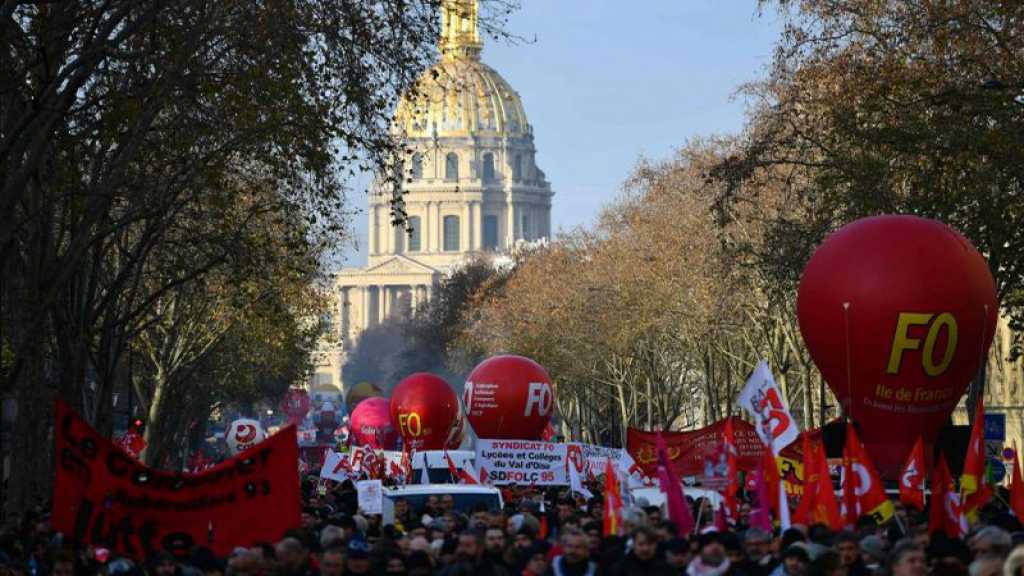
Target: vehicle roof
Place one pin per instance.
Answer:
(419, 489)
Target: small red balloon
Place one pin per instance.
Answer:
(508, 398)
(425, 411)
(371, 425)
(897, 313)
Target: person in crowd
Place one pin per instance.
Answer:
(757, 548)
(575, 557)
(495, 547)
(469, 559)
(848, 546)
(711, 559)
(642, 559)
(907, 559)
(357, 557)
(990, 541)
(795, 560)
(332, 561)
(677, 555)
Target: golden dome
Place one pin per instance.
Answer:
(460, 95)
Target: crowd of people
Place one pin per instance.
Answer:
(541, 533)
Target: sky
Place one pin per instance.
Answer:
(607, 82)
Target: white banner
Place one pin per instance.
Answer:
(336, 466)
(370, 495)
(763, 400)
(521, 462)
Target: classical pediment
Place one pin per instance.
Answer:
(397, 266)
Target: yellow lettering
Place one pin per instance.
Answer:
(902, 341)
(945, 319)
(410, 424)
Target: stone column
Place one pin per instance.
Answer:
(439, 233)
(370, 239)
(365, 312)
(510, 224)
(478, 225)
(382, 302)
(426, 239)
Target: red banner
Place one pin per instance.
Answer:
(687, 450)
(104, 497)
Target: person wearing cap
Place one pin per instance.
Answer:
(357, 557)
(712, 559)
(642, 559)
(795, 559)
(872, 552)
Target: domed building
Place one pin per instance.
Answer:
(472, 186)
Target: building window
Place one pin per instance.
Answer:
(414, 234)
(524, 231)
(488, 167)
(451, 166)
(451, 233)
(490, 232)
(517, 167)
(399, 231)
(417, 166)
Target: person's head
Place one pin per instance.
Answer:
(419, 563)
(448, 503)
(292, 555)
(593, 532)
(401, 507)
(524, 538)
(827, 563)
(566, 508)
(164, 564)
(394, 564)
(907, 559)
(538, 562)
(677, 554)
(433, 503)
(331, 536)
(63, 564)
(990, 541)
(575, 546)
(711, 549)
(308, 518)
(357, 557)
(494, 541)
(653, 515)
(795, 560)
(873, 550)
(848, 547)
(645, 543)
(332, 562)
(470, 546)
(757, 543)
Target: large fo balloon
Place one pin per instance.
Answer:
(426, 412)
(508, 397)
(918, 304)
(371, 425)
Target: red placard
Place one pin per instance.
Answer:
(105, 498)
(687, 450)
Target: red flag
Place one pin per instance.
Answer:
(612, 501)
(458, 474)
(1017, 488)
(104, 498)
(913, 476)
(819, 503)
(678, 511)
(802, 514)
(774, 481)
(863, 493)
(731, 506)
(975, 492)
(946, 514)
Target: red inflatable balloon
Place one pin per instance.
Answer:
(426, 412)
(918, 304)
(371, 425)
(508, 397)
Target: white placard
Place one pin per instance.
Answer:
(371, 496)
(521, 462)
(764, 401)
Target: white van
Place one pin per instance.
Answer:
(466, 496)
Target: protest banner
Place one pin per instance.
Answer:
(370, 496)
(521, 462)
(687, 450)
(337, 466)
(763, 400)
(103, 497)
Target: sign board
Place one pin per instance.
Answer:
(370, 496)
(521, 462)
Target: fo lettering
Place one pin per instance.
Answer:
(538, 399)
(410, 424)
(937, 325)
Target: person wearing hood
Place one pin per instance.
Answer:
(711, 557)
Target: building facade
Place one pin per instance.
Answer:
(471, 186)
